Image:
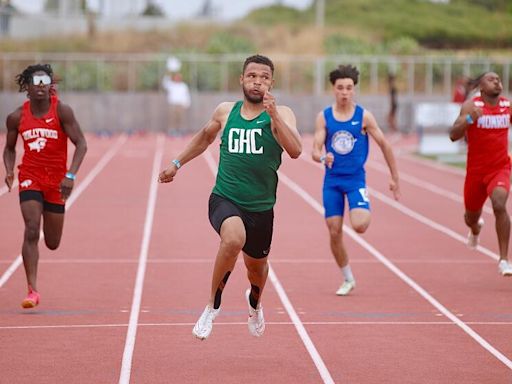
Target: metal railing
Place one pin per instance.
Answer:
(415, 75)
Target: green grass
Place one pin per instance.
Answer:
(459, 24)
(401, 27)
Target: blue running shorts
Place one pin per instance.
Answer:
(336, 188)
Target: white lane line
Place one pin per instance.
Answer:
(401, 275)
(74, 195)
(126, 367)
(286, 323)
(299, 326)
(425, 185)
(308, 343)
(419, 217)
(433, 165)
(428, 222)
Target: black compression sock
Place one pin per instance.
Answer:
(254, 296)
(218, 294)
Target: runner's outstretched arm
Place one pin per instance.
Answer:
(198, 144)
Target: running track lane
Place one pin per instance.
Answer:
(87, 285)
(381, 320)
(439, 278)
(15, 228)
(432, 313)
(177, 287)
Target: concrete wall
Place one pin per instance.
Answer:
(148, 111)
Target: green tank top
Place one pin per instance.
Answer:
(249, 159)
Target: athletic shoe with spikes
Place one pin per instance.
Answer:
(204, 325)
(505, 268)
(346, 287)
(256, 321)
(31, 300)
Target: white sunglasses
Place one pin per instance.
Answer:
(38, 79)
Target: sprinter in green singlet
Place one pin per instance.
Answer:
(254, 133)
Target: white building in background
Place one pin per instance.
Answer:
(66, 7)
(68, 18)
(116, 8)
(174, 9)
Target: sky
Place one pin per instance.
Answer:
(174, 9)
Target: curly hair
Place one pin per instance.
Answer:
(24, 79)
(344, 72)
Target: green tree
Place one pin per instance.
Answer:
(152, 9)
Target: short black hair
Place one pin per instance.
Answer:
(258, 59)
(344, 72)
(25, 78)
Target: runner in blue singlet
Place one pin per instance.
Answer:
(343, 130)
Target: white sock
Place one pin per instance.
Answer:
(347, 273)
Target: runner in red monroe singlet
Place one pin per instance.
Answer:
(484, 121)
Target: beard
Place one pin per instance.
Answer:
(255, 99)
(494, 93)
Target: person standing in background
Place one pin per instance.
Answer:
(178, 98)
(393, 107)
(460, 93)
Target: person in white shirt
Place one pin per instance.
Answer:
(178, 98)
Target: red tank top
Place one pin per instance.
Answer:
(488, 137)
(44, 141)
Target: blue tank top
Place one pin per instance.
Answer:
(348, 142)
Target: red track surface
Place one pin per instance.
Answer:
(133, 274)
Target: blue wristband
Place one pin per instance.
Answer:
(177, 163)
(70, 176)
(322, 159)
(469, 119)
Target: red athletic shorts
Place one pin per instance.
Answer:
(47, 182)
(478, 187)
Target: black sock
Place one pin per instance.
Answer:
(254, 296)
(218, 294)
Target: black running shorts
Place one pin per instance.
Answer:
(38, 196)
(259, 226)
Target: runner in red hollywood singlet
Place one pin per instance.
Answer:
(45, 146)
(484, 121)
(44, 124)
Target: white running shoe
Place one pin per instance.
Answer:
(505, 268)
(472, 241)
(255, 322)
(346, 287)
(204, 325)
